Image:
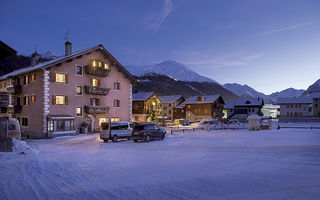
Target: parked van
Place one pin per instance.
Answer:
(14, 128)
(118, 130)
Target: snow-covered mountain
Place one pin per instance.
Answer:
(287, 93)
(314, 87)
(243, 90)
(48, 55)
(170, 68)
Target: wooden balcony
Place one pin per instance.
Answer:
(96, 109)
(14, 89)
(96, 71)
(4, 99)
(96, 90)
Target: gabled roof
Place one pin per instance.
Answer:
(141, 96)
(315, 95)
(61, 59)
(206, 99)
(249, 102)
(181, 105)
(296, 100)
(169, 99)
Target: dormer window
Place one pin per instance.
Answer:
(106, 66)
(200, 98)
(248, 102)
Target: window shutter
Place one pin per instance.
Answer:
(66, 100)
(53, 99)
(52, 77)
(66, 76)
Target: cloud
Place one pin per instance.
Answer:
(287, 28)
(156, 21)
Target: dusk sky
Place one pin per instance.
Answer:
(270, 45)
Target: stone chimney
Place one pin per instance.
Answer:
(200, 98)
(34, 59)
(68, 48)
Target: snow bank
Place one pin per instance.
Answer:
(22, 147)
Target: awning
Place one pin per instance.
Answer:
(60, 117)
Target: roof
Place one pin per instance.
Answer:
(296, 100)
(229, 105)
(315, 95)
(180, 106)
(60, 59)
(141, 96)
(206, 99)
(244, 102)
(169, 99)
(254, 117)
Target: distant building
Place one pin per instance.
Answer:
(296, 106)
(202, 107)
(167, 105)
(179, 111)
(243, 107)
(145, 107)
(315, 103)
(271, 110)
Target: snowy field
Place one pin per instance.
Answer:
(224, 164)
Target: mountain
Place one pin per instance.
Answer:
(243, 90)
(287, 93)
(169, 68)
(164, 85)
(48, 55)
(314, 87)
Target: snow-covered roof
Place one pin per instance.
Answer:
(229, 105)
(141, 96)
(182, 105)
(245, 102)
(254, 117)
(206, 99)
(169, 99)
(315, 95)
(62, 59)
(295, 100)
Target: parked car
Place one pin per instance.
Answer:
(118, 130)
(147, 132)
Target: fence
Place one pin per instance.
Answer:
(185, 129)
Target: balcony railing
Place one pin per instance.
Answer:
(17, 109)
(14, 89)
(96, 109)
(96, 90)
(4, 99)
(97, 71)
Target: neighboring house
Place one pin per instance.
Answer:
(179, 112)
(6, 51)
(145, 107)
(243, 107)
(271, 110)
(315, 103)
(203, 107)
(167, 105)
(296, 106)
(55, 97)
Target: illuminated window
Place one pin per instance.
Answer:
(60, 78)
(26, 80)
(60, 100)
(115, 119)
(94, 63)
(25, 100)
(102, 120)
(33, 98)
(79, 111)
(106, 66)
(95, 82)
(100, 64)
(33, 77)
(79, 90)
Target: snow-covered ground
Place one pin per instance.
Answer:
(220, 164)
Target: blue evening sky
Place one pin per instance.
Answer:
(268, 44)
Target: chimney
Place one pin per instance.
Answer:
(200, 98)
(34, 59)
(68, 48)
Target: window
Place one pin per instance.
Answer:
(116, 86)
(94, 63)
(60, 78)
(33, 77)
(100, 64)
(94, 101)
(169, 111)
(60, 100)
(95, 82)
(26, 80)
(24, 121)
(115, 119)
(79, 111)
(106, 66)
(287, 106)
(164, 107)
(116, 103)
(78, 90)
(136, 118)
(102, 120)
(169, 104)
(33, 98)
(25, 100)
(79, 70)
